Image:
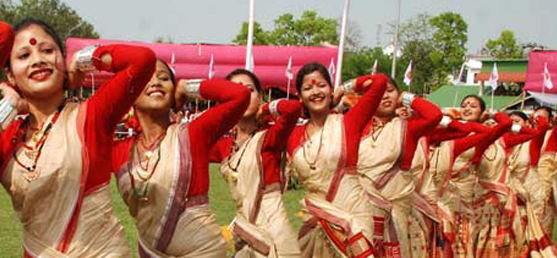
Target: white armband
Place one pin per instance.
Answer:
(192, 87)
(407, 99)
(348, 86)
(7, 113)
(445, 121)
(273, 107)
(84, 59)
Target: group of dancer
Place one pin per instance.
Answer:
(385, 173)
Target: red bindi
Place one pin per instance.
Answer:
(313, 81)
(33, 41)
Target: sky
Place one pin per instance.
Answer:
(218, 21)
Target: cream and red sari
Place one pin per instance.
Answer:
(390, 189)
(170, 223)
(261, 223)
(525, 182)
(60, 218)
(337, 217)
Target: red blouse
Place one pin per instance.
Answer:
(6, 42)
(274, 143)
(504, 123)
(354, 120)
(133, 67)
(536, 136)
(204, 131)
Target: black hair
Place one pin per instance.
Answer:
(547, 109)
(310, 68)
(251, 75)
(170, 71)
(480, 100)
(393, 82)
(520, 114)
(25, 23)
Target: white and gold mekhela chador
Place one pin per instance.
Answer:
(531, 238)
(455, 179)
(59, 218)
(261, 225)
(424, 223)
(338, 218)
(388, 187)
(170, 223)
(547, 171)
(494, 206)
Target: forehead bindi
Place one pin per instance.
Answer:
(32, 36)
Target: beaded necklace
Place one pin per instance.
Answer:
(39, 137)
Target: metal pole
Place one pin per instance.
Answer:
(338, 75)
(393, 68)
(250, 35)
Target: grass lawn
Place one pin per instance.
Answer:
(221, 204)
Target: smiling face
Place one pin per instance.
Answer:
(36, 64)
(158, 95)
(389, 102)
(316, 93)
(471, 109)
(255, 97)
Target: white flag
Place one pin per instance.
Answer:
(332, 68)
(547, 78)
(374, 69)
(494, 78)
(408, 74)
(211, 67)
(289, 74)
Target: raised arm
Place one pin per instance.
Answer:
(6, 42)
(504, 123)
(233, 101)
(133, 67)
(287, 113)
(359, 116)
(426, 118)
(449, 130)
(537, 141)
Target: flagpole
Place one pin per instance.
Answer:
(338, 74)
(288, 89)
(250, 35)
(457, 82)
(395, 45)
(93, 82)
(492, 94)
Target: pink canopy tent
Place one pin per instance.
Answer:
(192, 60)
(534, 76)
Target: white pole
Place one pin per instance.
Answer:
(250, 35)
(288, 89)
(93, 82)
(395, 47)
(338, 75)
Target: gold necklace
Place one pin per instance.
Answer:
(314, 162)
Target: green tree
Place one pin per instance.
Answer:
(65, 21)
(308, 30)
(505, 46)
(423, 67)
(449, 42)
(260, 36)
(360, 62)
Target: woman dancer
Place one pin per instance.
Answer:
(387, 148)
(164, 170)
(323, 153)
(250, 163)
(54, 159)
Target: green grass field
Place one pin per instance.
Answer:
(220, 200)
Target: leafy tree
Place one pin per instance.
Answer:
(505, 46)
(449, 42)
(417, 29)
(161, 39)
(260, 36)
(308, 30)
(65, 21)
(423, 67)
